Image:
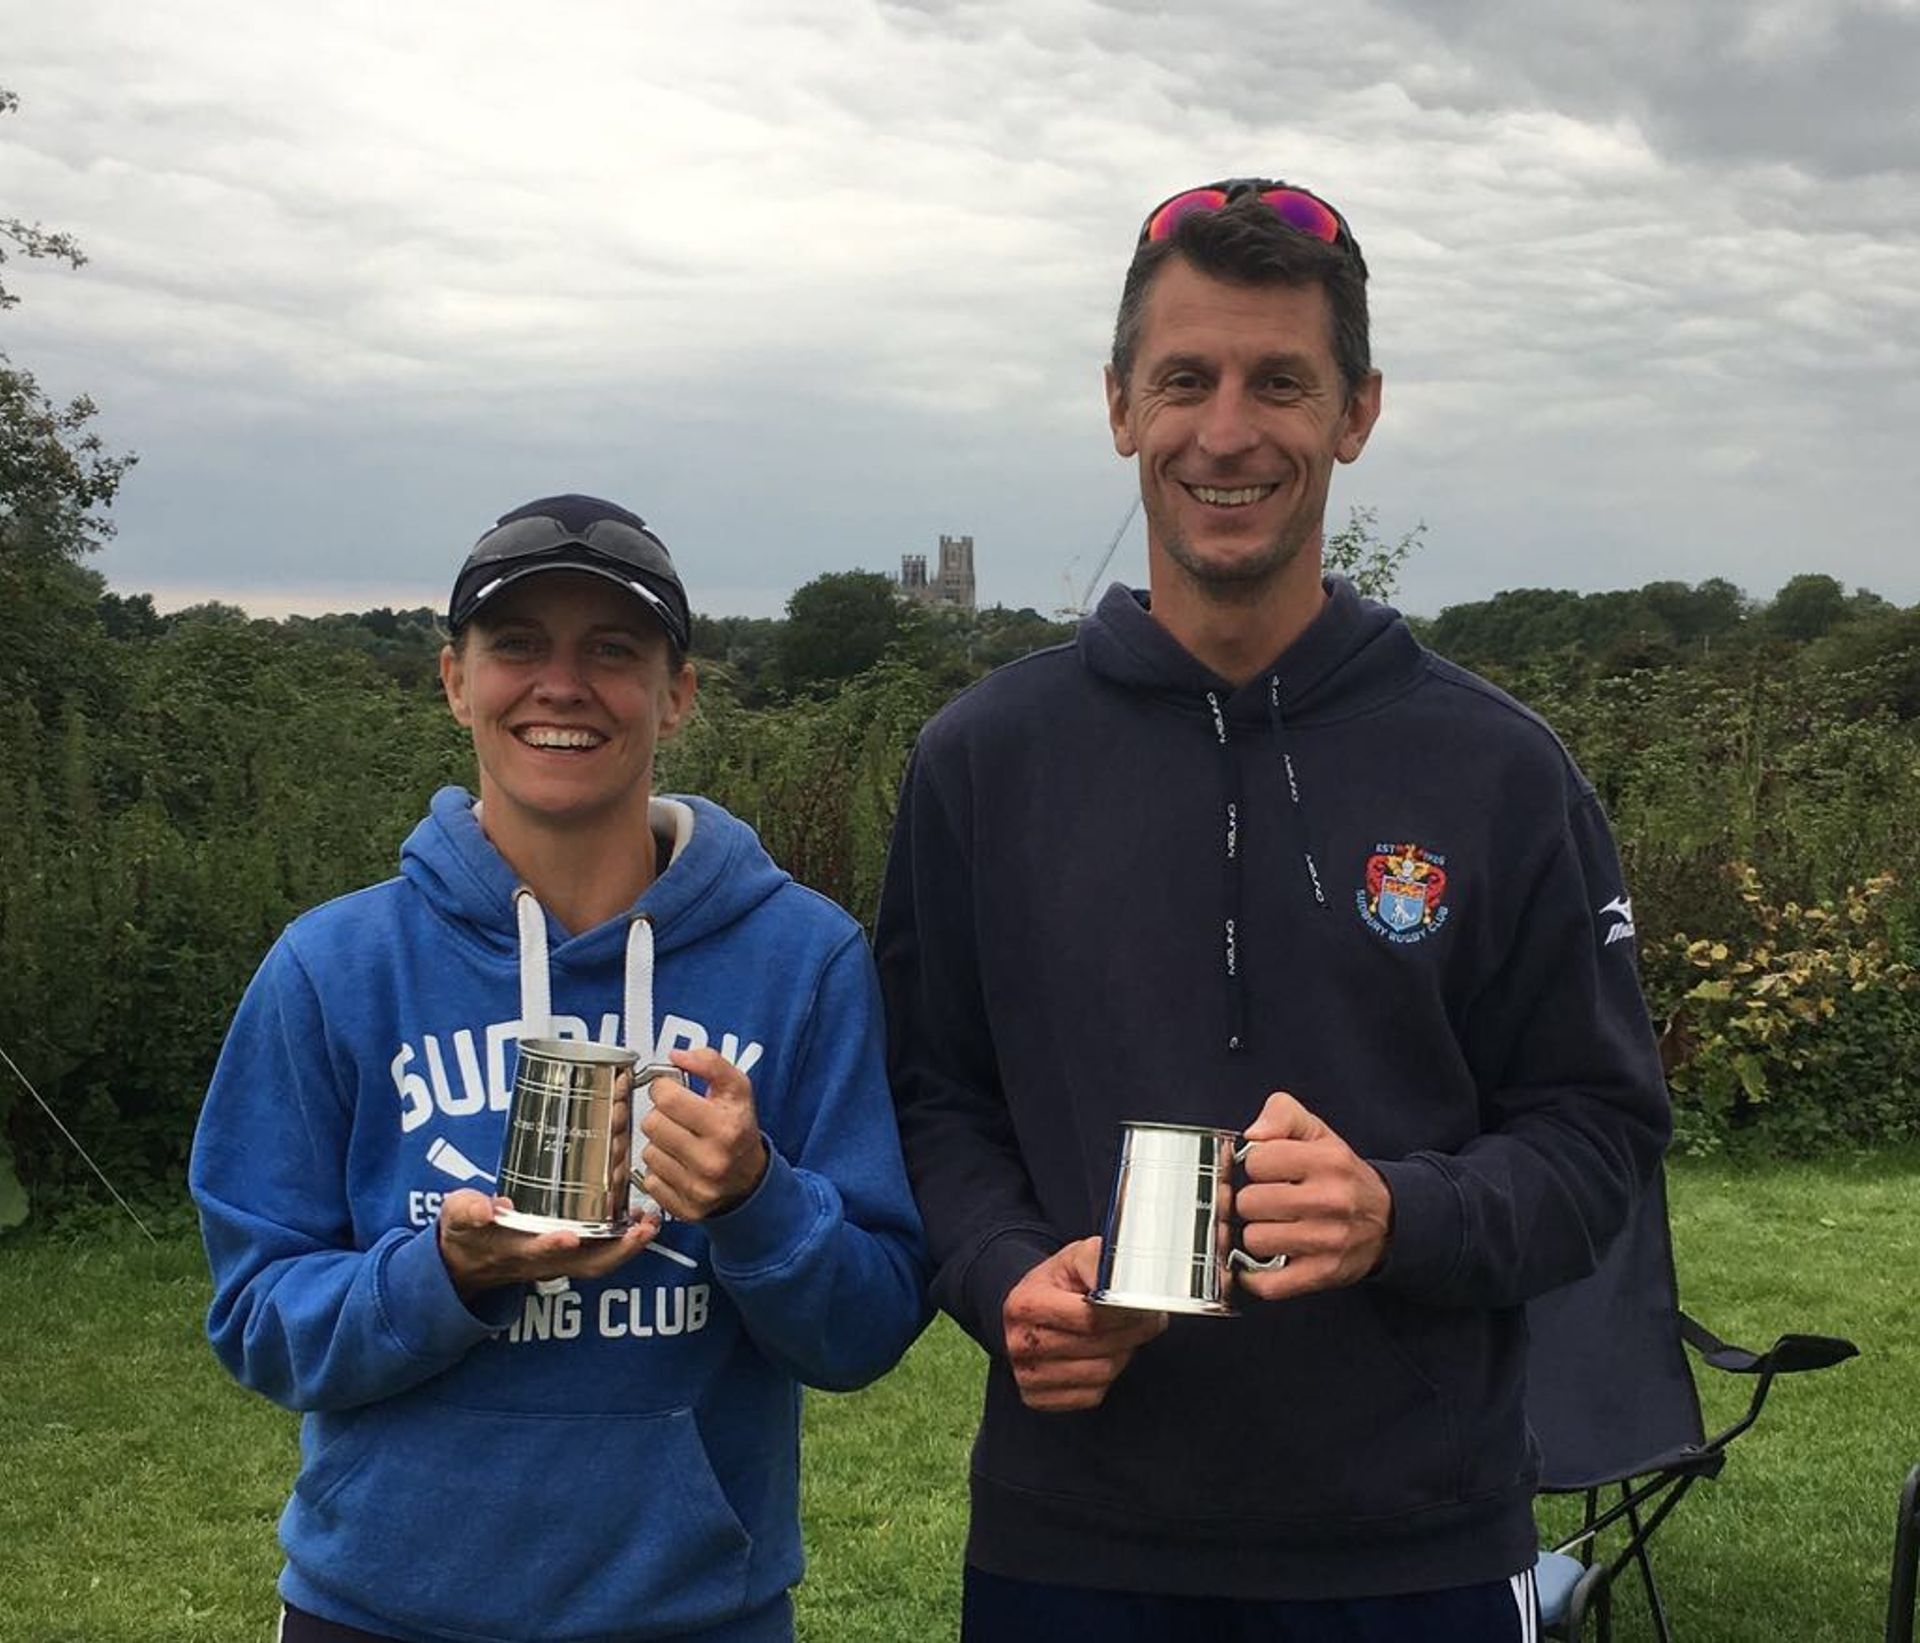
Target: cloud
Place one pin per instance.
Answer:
(1824, 86)
(816, 280)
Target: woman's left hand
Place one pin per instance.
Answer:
(704, 1154)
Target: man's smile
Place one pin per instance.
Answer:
(1221, 496)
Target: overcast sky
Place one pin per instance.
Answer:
(809, 282)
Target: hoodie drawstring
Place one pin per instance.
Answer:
(1296, 812)
(637, 1002)
(536, 987)
(636, 999)
(1293, 819)
(1230, 886)
(536, 995)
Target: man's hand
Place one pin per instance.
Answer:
(480, 1254)
(1309, 1197)
(704, 1154)
(1065, 1351)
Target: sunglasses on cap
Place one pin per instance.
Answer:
(1295, 207)
(624, 553)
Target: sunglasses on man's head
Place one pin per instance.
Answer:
(1293, 206)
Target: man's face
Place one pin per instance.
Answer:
(1237, 412)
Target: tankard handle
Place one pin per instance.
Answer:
(1240, 1258)
(642, 1076)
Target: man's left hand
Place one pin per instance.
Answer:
(1310, 1197)
(704, 1155)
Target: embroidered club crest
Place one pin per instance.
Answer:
(1403, 898)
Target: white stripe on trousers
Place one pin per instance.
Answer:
(1527, 1601)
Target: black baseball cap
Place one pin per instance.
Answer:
(574, 533)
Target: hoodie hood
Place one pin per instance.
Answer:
(371, 1070)
(1355, 654)
(718, 874)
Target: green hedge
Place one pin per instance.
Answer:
(168, 802)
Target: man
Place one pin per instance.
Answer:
(1246, 855)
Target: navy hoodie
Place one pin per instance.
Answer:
(1123, 889)
(618, 1460)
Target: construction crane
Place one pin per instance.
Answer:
(1079, 607)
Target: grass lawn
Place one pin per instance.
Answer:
(141, 1486)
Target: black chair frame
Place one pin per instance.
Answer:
(1906, 1562)
(1649, 1493)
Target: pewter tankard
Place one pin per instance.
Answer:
(1168, 1245)
(566, 1160)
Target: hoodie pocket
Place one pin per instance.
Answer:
(1305, 1418)
(493, 1525)
(1412, 1435)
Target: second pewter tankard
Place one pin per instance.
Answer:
(566, 1158)
(1168, 1245)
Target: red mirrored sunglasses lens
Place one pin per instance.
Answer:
(1293, 207)
(1182, 206)
(1304, 212)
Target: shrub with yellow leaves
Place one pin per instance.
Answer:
(1801, 1034)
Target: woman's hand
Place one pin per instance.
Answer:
(481, 1254)
(704, 1153)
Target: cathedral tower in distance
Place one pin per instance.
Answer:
(953, 587)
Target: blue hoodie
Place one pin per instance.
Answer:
(618, 1460)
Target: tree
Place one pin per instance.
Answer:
(1722, 607)
(737, 653)
(405, 644)
(55, 473)
(1614, 632)
(1710, 610)
(131, 616)
(1513, 624)
(1806, 607)
(1355, 552)
(997, 635)
(56, 478)
(839, 625)
(31, 239)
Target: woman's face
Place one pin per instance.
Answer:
(565, 682)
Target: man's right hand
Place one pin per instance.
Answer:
(1065, 1351)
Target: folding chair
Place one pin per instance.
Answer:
(1906, 1562)
(1612, 1403)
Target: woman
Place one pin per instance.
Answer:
(521, 1435)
